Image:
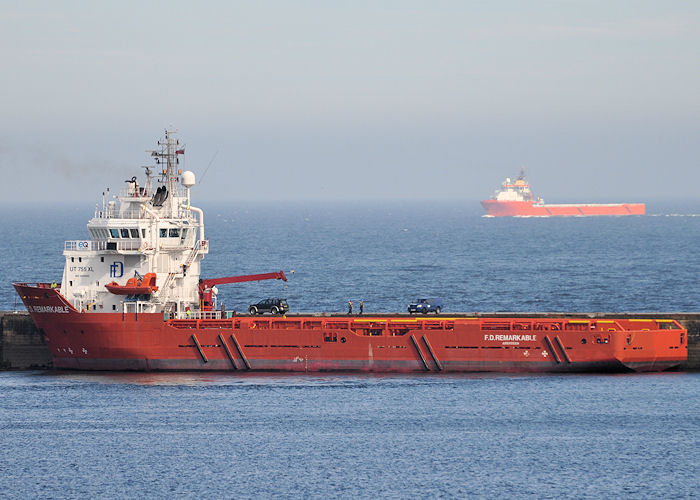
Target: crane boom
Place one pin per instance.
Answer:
(205, 286)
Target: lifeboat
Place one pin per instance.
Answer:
(134, 286)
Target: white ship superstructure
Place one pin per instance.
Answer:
(148, 229)
(518, 190)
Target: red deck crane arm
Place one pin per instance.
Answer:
(205, 293)
(208, 283)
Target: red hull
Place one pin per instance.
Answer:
(113, 341)
(529, 209)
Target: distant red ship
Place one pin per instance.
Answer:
(515, 199)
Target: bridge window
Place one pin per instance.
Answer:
(174, 233)
(143, 233)
(125, 233)
(163, 232)
(114, 233)
(134, 233)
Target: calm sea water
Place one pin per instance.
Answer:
(81, 435)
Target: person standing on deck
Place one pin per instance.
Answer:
(349, 306)
(362, 306)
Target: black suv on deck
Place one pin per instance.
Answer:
(272, 306)
(425, 306)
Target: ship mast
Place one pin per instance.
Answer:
(168, 161)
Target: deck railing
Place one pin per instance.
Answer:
(116, 213)
(132, 245)
(91, 245)
(202, 315)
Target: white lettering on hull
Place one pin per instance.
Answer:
(510, 338)
(82, 269)
(49, 309)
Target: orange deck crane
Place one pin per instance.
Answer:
(206, 302)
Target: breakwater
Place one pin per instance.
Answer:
(22, 345)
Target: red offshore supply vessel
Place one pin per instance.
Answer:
(131, 298)
(515, 199)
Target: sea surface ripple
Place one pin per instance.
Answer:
(76, 435)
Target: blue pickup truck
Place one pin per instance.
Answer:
(425, 306)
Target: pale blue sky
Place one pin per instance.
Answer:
(305, 100)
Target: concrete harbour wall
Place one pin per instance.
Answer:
(22, 346)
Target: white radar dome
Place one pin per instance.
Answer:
(187, 179)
